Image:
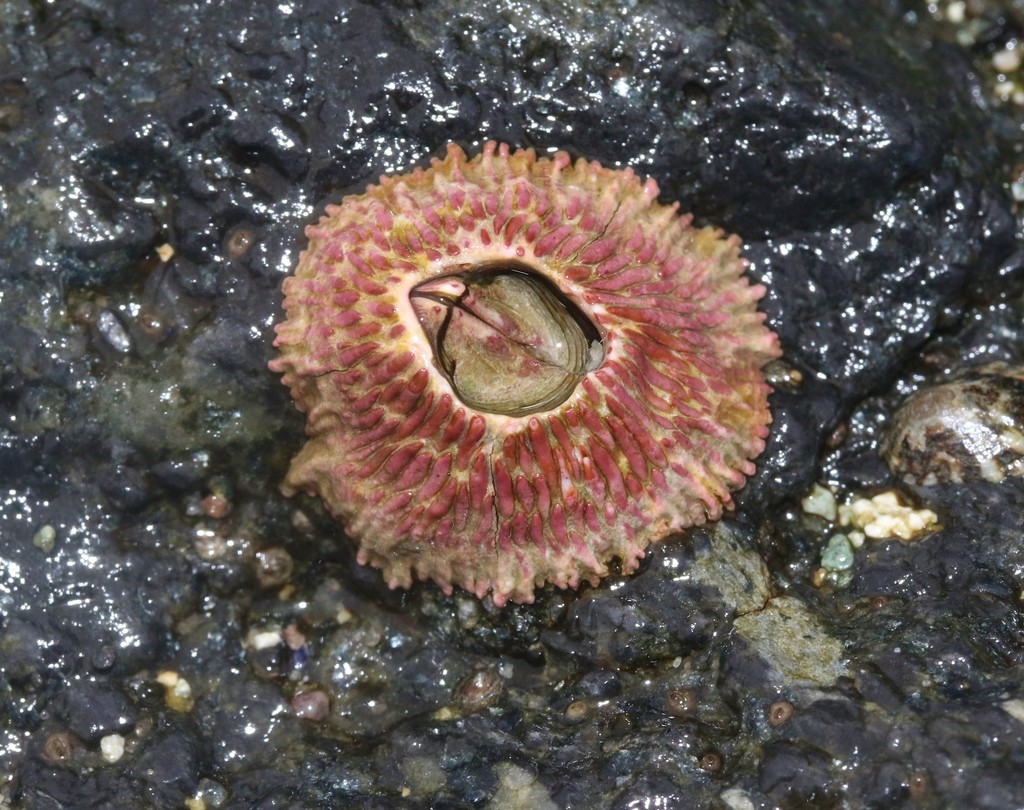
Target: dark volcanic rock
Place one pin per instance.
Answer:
(155, 176)
(169, 769)
(91, 711)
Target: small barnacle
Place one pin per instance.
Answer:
(968, 429)
(780, 713)
(60, 746)
(711, 762)
(681, 703)
(518, 369)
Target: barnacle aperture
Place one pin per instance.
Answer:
(517, 369)
(505, 339)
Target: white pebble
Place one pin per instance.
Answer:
(263, 639)
(1006, 60)
(884, 516)
(820, 502)
(112, 747)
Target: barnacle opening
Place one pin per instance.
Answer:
(506, 338)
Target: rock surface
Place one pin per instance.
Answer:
(155, 176)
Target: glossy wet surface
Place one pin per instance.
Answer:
(172, 628)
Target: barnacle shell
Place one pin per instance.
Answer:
(968, 429)
(502, 490)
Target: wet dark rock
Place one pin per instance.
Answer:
(181, 474)
(91, 710)
(651, 616)
(600, 683)
(835, 726)
(247, 720)
(266, 138)
(357, 662)
(888, 786)
(263, 790)
(149, 216)
(230, 344)
(471, 785)
(652, 790)
(125, 487)
(991, 789)
(169, 769)
(196, 280)
(972, 554)
(631, 631)
(800, 423)
(797, 776)
(34, 649)
(109, 244)
(40, 786)
(109, 597)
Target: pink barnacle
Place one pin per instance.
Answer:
(573, 371)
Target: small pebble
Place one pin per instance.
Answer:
(838, 554)
(314, 705)
(215, 505)
(113, 332)
(781, 375)
(45, 539)
(112, 748)
(209, 545)
(151, 324)
(177, 691)
(273, 566)
(920, 785)
(478, 691)
(263, 639)
(577, 711)
(884, 515)
(1006, 60)
(209, 795)
(820, 502)
(1014, 708)
(736, 799)
(837, 438)
(238, 241)
(10, 117)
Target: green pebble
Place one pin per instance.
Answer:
(838, 554)
(45, 538)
